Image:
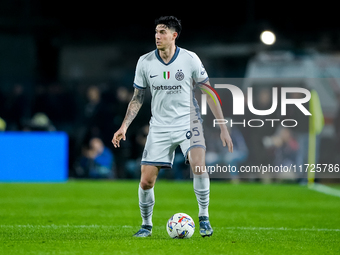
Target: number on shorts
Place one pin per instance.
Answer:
(195, 131)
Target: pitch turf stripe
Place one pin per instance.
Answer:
(324, 189)
(56, 226)
(159, 227)
(283, 229)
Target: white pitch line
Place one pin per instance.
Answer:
(324, 189)
(127, 226)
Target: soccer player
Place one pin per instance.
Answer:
(171, 73)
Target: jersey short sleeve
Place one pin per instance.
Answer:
(199, 74)
(140, 81)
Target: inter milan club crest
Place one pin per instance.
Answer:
(179, 75)
(166, 75)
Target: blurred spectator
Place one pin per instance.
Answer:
(97, 115)
(94, 120)
(85, 119)
(39, 122)
(123, 100)
(285, 149)
(16, 108)
(96, 161)
(94, 100)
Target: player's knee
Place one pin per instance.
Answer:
(197, 164)
(149, 176)
(146, 184)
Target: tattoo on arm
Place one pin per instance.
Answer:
(134, 106)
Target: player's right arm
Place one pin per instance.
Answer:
(132, 110)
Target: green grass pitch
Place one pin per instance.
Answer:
(98, 217)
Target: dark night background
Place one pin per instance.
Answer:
(54, 24)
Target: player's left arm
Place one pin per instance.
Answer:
(217, 111)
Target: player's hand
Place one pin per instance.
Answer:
(119, 135)
(226, 139)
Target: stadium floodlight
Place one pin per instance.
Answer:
(268, 37)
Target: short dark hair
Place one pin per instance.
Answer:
(170, 22)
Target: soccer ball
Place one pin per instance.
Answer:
(180, 225)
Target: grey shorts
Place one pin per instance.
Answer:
(160, 147)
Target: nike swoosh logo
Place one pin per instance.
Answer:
(195, 141)
(153, 76)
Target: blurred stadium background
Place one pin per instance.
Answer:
(69, 66)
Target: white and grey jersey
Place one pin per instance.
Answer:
(171, 85)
